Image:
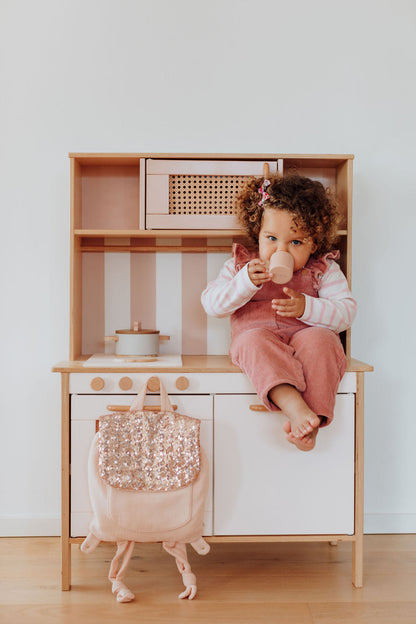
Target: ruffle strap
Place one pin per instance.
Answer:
(319, 266)
(242, 255)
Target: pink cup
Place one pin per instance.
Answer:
(281, 267)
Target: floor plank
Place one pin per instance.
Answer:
(245, 583)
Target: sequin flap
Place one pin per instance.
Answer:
(149, 451)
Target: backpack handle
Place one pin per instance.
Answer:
(138, 403)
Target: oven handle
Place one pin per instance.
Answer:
(147, 408)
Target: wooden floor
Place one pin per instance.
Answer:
(282, 583)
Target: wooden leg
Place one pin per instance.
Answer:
(358, 551)
(357, 562)
(65, 565)
(65, 487)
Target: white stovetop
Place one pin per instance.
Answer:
(108, 360)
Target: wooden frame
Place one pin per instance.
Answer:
(65, 485)
(336, 169)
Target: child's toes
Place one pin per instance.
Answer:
(303, 430)
(314, 422)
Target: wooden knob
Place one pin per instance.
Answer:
(97, 383)
(125, 383)
(153, 384)
(182, 383)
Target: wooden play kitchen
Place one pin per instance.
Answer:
(147, 233)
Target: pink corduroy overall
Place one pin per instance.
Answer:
(273, 350)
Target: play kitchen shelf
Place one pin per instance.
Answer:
(147, 233)
(115, 209)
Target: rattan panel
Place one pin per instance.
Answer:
(203, 194)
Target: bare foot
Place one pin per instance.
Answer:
(307, 443)
(303, 420)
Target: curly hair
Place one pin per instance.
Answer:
(312, 207)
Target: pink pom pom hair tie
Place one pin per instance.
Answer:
(264, 195)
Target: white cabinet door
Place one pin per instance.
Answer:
(263, 485)
(86, 409)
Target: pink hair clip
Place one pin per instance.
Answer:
(264, 196)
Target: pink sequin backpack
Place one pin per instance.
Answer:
(148, 482)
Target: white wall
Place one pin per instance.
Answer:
(196, 76)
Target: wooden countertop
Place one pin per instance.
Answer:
(190, 364)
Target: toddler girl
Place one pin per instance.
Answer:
(285, 337)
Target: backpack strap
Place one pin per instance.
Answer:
(116, 574)
(138, 402)
(90, 543)
(178, 551)
(201, 546)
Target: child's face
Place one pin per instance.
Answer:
(278, 232)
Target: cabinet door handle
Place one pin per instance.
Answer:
(258, 408)
(261, 408)
(147, 408)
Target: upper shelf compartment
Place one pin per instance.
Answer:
(122, 195)
(196, 194)
(334, 172)
(108, 192)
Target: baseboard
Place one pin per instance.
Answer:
(390, 523)
(30, 526)
(45, 526)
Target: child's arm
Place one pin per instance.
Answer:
(334, 309)
(229, 291)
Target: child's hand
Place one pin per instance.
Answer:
(294, 307)
(257, 272)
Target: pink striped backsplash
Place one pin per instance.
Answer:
(162, 290)
(194, 318)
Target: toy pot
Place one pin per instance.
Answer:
(281, 267)
(137, 341)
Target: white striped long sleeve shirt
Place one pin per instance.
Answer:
(334, 308)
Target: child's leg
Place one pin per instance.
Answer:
(276, 372)
(277, 376)
(324, 363)
(268, 362)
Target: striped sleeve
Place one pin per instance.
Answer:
(228, 292)
(335, 307)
